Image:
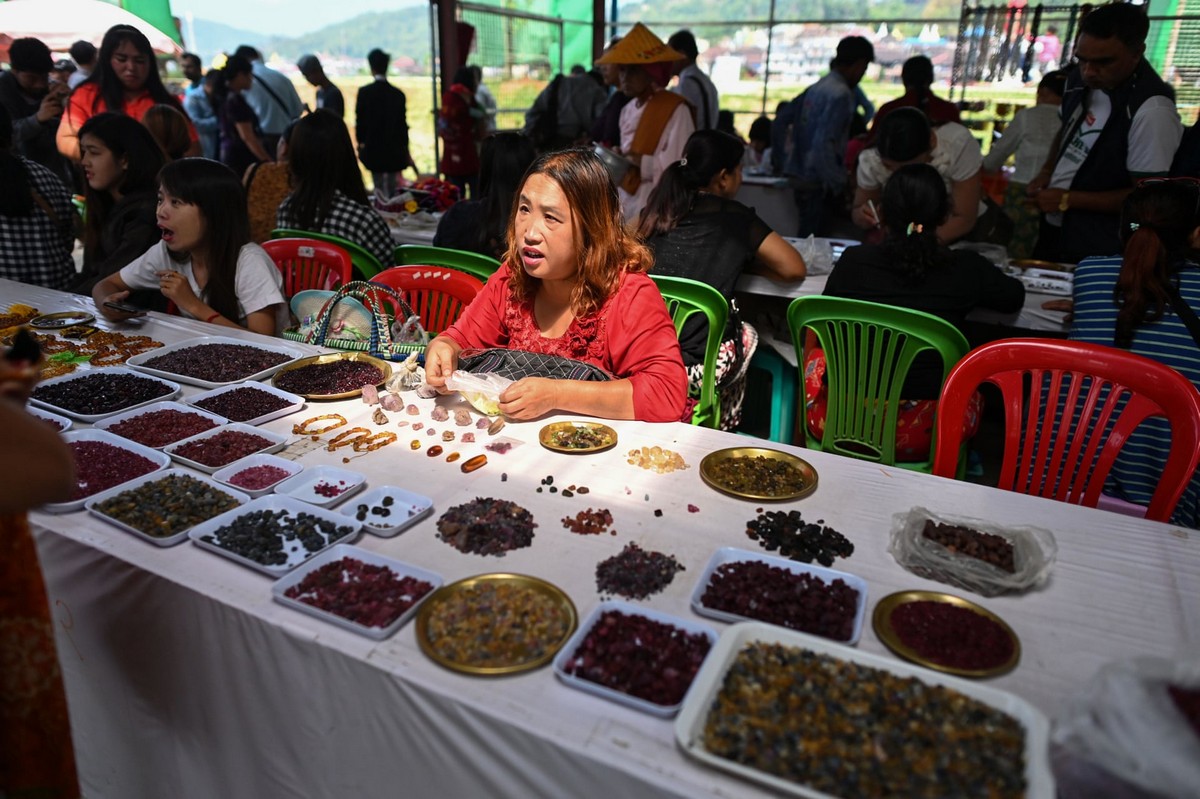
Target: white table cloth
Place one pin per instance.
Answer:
(184, 679)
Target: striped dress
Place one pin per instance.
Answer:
(1139, 466)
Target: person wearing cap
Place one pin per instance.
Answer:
(381, 127)
(694, 85)
(35, 104)
(83, 53)
(820, 128)
(329, 96)
(655, 124)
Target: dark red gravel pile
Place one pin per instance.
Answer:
(243, 404)
(221, 448)
(636, 573)
(373, 596)
(768, 593)
(640, 657)
(217, 363)
(163, 427)
(487, 526)
(256, 478)
(335, 377)
(952, 636)
(99, 466)
(102, 392)
(988, 547)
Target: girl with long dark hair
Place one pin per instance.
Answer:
(1141, 301)
(480, 225)
(205, 263)
(125, 81)
(913, 269)
(120, 161)
(328, 195)
(697, 230)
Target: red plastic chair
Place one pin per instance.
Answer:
(309, 264)
(1067, 455)
(437, 294)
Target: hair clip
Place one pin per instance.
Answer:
(914, 228)
(683, 161)
(1133, 226)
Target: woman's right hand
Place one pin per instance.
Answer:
(441, 358)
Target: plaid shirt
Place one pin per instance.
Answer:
(37, 248)
(349, 220)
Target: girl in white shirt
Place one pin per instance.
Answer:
(206, 263)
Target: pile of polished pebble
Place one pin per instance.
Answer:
(269, 537)
(161, 508)
(798, 540)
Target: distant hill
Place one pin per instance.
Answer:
(211, 38)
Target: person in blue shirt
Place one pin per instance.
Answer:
(199, 107)
(820, 127)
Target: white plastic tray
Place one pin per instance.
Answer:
(296, 552)
(302, 486)
(138, 361)
(259, 459)
(64, 424)
(336, 553)
(567, 653)
(689, 725)
(407, 508)
(90, 434)
(277, 443)
(110, 421)
(95, 417)
(161, 541)
(733, 555)
(295, 401)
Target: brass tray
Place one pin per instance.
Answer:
(384, 367)
(708, 474)
(881, 620)
(55, 321)
(547, 433)
(439, 597)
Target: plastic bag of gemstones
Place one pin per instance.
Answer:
(970, 553)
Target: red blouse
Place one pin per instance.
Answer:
(631, 336)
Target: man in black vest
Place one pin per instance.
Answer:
(1119, 125)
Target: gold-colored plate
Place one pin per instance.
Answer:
(1031, 263)
(54, 321)
(608, 435)
(384, 367)
(807, 473)
(881, 620)
(439, 597)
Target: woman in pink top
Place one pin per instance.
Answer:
(574, 284)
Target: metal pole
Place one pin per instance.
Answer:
(767, 63)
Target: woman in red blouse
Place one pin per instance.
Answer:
(574, 284)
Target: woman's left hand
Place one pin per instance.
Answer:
(175, 288)
(530, 397)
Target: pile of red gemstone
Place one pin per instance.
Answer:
(952, 636)
(799, 601)
(162, 427)
(99, 466)
(373, 596)
(221, 448)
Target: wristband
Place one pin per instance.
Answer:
(1064, 202)
(214, 316)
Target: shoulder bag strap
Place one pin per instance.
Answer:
(271, 92)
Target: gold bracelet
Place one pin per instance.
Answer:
(1064, 202)
(302, 429)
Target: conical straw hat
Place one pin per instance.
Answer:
(640, 46)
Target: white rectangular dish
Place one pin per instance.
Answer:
(337, 553)
(169, 405)
(733, 555)
(171, 393)
(277, 442)
(294, 401)
(304, 485)
(294, 551)
(689, 725)
(159, 459)
(61, 422)
(138, 361)
(160, 541)
(224, 475)
(565, 655)
(407, 509)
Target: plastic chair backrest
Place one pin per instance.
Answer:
(481, 266)
(437, 294)
(366, 264)
(687, 297)
(309, 264)
(1109, 391)
(869, 348)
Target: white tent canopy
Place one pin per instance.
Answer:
(61, 23)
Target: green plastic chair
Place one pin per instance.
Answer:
(366, 265)
(687, 297)
(869, 348)
(481, 266)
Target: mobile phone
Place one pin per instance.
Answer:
(24, 349)
(123, 307)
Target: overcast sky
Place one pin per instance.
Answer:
(287, 17)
